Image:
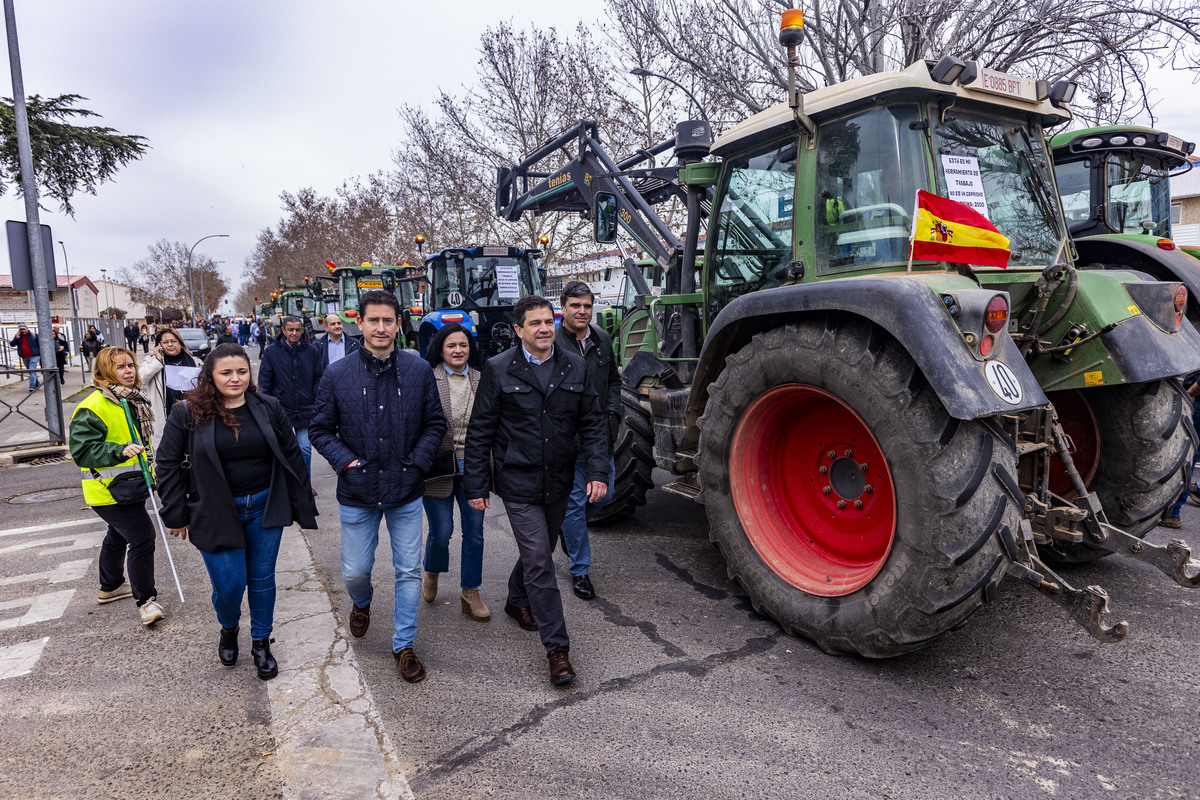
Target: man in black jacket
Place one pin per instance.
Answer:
(290, 372)
(577, 334)
(378, 423)
(531, 403)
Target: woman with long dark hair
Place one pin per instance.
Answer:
(454, 356)
(231, 478)
(106, 451)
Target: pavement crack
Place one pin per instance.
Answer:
(613, 614)
(468, 752)
(711, 592)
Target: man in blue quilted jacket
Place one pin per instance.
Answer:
(378, 421)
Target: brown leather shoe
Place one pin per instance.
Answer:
(561, 672)
(522, 615)
(429, 587)
(410, 667)
(360, 620)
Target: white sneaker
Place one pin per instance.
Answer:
(120, 593)
(150, 611)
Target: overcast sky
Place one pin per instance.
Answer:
(243, 100)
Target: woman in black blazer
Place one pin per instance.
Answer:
(231, 477)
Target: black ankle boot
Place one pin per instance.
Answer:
(264, 662)
(227, 648)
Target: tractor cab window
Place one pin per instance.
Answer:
(1075, 190)
(869, 167)
(1002, 170)
(480, 281)
(1137, 194)
(753, 224)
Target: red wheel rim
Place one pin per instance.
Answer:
(817, 516)
(1079, 423)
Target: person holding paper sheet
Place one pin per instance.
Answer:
(169, 351)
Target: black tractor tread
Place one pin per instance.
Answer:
(633, 457)
(1147, 441)
(947, 556)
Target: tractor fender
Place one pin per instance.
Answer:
(1141, 254)
(908, 309)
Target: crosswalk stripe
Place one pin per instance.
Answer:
(41, 607)
(19, 659)
(78, 541)
(52, 526)
(66, 571)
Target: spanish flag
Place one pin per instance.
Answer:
(946, 230)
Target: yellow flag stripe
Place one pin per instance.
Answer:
(963, 235)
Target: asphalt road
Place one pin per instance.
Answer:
(683, 691)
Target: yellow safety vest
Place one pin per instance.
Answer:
(95, 489)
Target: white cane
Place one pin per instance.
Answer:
(162, 528)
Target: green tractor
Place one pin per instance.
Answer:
(1114, 184)
(879, 440)
(403, 280)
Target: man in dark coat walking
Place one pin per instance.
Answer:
(532, 401)
(577, 334)
(290, 372)
(378, 422)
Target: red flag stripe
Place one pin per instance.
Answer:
(953, 211)
(979, 256)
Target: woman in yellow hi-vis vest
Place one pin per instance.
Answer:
(105, 449)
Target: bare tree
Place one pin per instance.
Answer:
(1105, 45)
(162, 277)
(532, 84)
(358, 224)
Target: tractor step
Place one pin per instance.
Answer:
(684, 486)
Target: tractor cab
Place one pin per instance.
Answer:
(477, 287)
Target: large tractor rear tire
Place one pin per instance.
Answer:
(847, 502)
(1132, 447)
(633, 456)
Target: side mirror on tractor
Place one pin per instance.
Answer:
(606, 217)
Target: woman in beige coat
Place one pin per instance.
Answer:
(454, 357)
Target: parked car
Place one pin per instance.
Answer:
(195, 340)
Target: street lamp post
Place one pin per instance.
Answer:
(107, 288)
(645, 73)
(76, 325)
(191, 283)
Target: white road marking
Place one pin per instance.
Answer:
(66, 571)
(19, 659)
(53, 526)
(79, 541)
(42, 607)
(323, 715)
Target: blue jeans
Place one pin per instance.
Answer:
(579, 511)
(33, 362)
(249, 570)
(360, 537)
(305, 448)
(440, 512)
(1178, 507)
